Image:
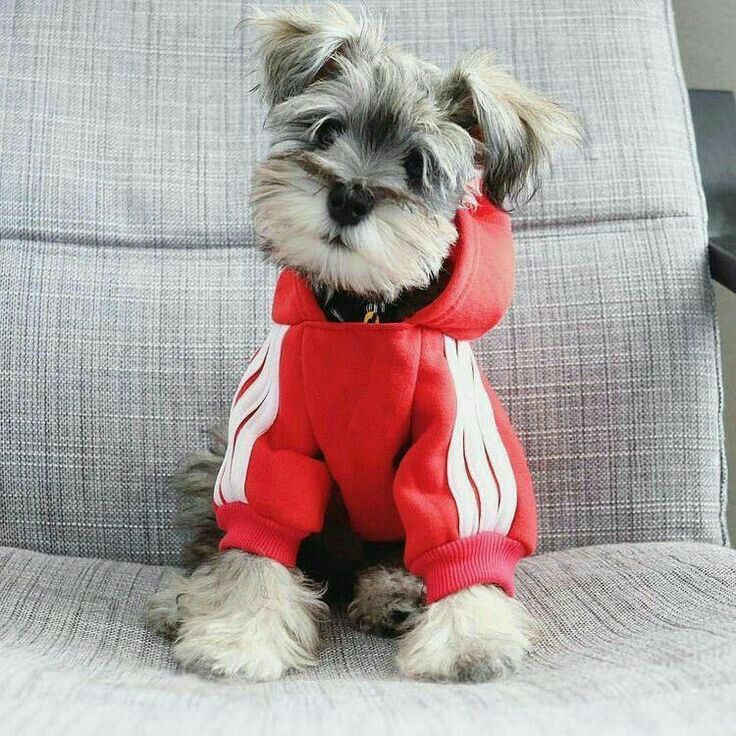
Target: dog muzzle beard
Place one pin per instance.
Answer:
(394, 247)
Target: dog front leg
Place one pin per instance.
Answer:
(464, 494)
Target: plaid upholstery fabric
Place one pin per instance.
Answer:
(131, 296)
(132, 124)
(637, 639)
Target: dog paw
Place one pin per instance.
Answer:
(475, 635)
(387, 601)
(161, 613)
(249, 617)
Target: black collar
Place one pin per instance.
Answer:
(344, 306)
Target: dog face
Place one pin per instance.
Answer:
(373, 150)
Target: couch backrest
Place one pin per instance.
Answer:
(131, 295)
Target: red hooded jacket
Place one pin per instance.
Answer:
(396, 416)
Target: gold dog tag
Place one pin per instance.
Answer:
(371, 315)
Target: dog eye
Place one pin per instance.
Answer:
(414, 166)
(327, 131)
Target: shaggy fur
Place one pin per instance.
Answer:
(193, 484)
(240, 615)
(388, 601)
(353, 116)
(412, 135)
(474, 635)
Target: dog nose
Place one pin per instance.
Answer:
(348, 205)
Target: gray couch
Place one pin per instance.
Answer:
(131, 296)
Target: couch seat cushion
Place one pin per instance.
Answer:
(638, 638)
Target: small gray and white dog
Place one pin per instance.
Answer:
(373, 152)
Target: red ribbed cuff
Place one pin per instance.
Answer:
(483, 559)
(247, 530)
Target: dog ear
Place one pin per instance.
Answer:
(516, 129)
(297, 47)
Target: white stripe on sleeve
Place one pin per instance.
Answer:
(252, 415)
(457, 472)
(479, 470)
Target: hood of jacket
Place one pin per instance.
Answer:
(477, 294)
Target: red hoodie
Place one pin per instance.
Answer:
(397, 416)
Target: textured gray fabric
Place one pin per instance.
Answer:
(611, 381)
(131, 123)
(130, 300)
(637, 639)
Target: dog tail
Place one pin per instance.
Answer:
(193, 484)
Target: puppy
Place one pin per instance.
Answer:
(382, 200)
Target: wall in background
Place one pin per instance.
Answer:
(707, 34)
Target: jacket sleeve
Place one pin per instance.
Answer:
(463, 489)
(272, 488)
